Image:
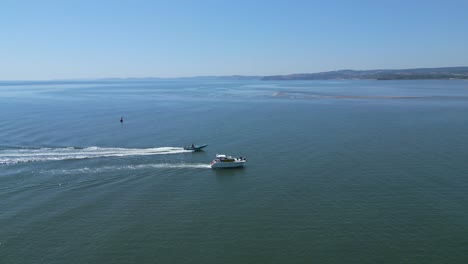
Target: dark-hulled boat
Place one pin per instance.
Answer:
(195, 147)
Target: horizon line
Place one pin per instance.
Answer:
(215, 76)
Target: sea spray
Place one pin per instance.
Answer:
(128, 167)
(12, 156)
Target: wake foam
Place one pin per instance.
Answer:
(129, 167)
(12, 156)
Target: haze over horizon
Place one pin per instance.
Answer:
(82, 39)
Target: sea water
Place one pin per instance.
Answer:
(337, 171)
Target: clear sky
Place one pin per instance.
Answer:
(98, 38)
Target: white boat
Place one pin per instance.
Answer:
(223, 161)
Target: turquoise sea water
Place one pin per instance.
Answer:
(337, 172)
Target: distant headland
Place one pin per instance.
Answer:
(401, 74)
(444, 73)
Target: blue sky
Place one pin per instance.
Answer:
(94, 39)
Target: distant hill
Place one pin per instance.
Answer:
(227, 77)
(402, 74)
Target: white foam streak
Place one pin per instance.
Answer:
(12, 156)
(130, 167)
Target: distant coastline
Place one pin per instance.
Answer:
(400, 74)
(443, 73)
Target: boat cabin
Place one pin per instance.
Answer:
(224, 158)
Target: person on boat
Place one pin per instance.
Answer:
(121, 119)
(193, 146)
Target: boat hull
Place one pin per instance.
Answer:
(222, 165)
(195, 148)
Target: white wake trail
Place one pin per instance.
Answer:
(129, 167)
(12, 156)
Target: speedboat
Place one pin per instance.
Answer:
(195, 147)
(224, 161)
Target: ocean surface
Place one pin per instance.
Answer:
(337, 172)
